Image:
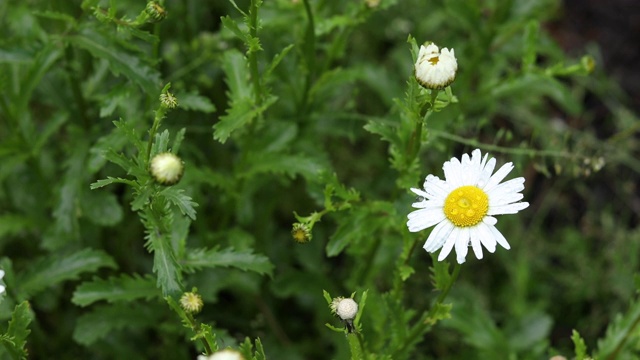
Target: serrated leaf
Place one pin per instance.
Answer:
(231, 24)
(177, 140)
(580, 347)
(165, 264)
(406, 271)
(105, 319)
(129, 132)
(112, 180)
(234, 65)
(440, 275)
(196, 102)
(123, 288)
(119, 61)
(51, 270)
(142, 196)
(241, 112)
(440, 312)
(276, 61)
(243, 260)
(619, 331)
(182, 201)
(18, 330)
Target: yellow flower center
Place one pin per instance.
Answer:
(434, 60)
(466, 206)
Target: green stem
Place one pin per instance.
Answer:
(154, 129)
(423, 324)
(310, 54)
(253, 56)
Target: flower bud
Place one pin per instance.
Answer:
(156, 12)
(226, 354)
(168, 100)
(166, 168)
(191, 302)
(347, 309)
(301, 233)
(435, 69)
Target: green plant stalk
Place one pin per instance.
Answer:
(310, 50)
(423, 324)
(356, 346)
(253, 57)
(154, 129)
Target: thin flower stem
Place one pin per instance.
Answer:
(423, 324)
(154, 129)
(253, 56)
(310, 54)
(505, 150)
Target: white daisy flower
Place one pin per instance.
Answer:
(462, 206)
(435, 69)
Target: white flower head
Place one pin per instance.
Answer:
(2, 288)
(462, 206)
(435, 69)
(345, 308)
(226, 354)
(167, 168)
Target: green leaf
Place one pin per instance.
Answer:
(56, 268)
(351, 227)
(530, 45)
(278, 163)
(243, 260)
(440, 275)
(111, 180)
(101, 47)
(160, 144)
(239, 114)
(231, 24)
(620, 332)
(19, 330)
(441, 312)
(406, 271)
(123, 288)
(579, 346)
(196, 102)
(165, 264)
(12, 224)
(126, 130)
(101, 208)
(235, 67)
(105, 319)
(182, 201)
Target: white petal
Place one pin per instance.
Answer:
(424, 218)
(449, 243)
(435, 188)
(498, 176)
(497, 235)
(489, 220)
(507, 209)
(1, 274)
(486, 173)
(507, 187)
(462, 245)
(505, 199)
(438, 236)
(486, 237)
(475, 242)
(453, 172)
(1, 289)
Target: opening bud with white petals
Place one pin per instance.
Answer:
(435, 68)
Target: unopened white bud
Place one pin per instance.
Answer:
(166, 168)
(226, 354)
(347, 309)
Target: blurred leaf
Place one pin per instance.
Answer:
(123, 288)
(102, 208)
(48, 271)
(622, 332)
(243, 260)
(105, 319)
(440, 276)
(241, 112)
(165, 263)
(102, 47)
(196, 102)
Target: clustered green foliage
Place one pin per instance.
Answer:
(304, 112)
